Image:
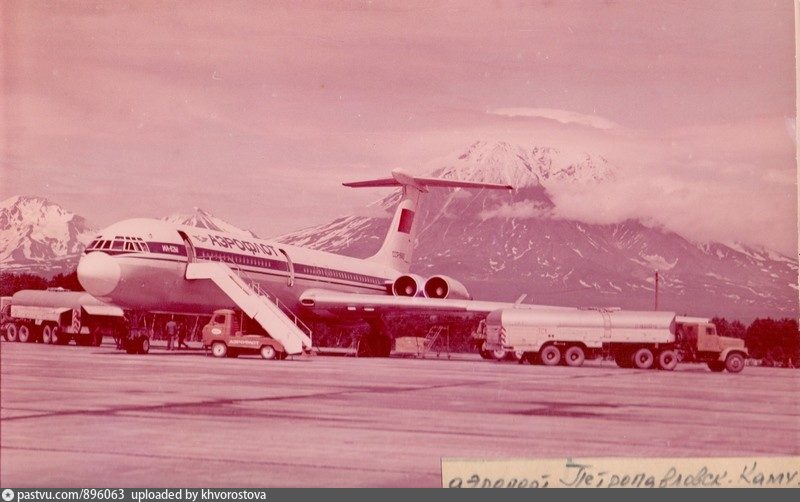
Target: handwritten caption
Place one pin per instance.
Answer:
(763, 472)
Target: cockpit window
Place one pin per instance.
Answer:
(117, 245)
(106, 244)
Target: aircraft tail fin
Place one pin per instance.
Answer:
(398, 246)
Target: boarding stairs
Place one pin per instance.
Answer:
(266, 309)
(434, 333)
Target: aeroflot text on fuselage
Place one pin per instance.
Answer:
(229, 242)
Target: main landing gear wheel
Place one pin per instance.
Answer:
(574, 356)
(219, 349)
(533, 358)
(499, 354)
(667, 360)
(12, 333)
(47, 334)
(268, 352)
(643, 358)
(144, 345)
(59, 338)
(550, 355)
(734, 363)
(624, 359)
(716, 366)
(374, 346)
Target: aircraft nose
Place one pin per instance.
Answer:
(98, 273)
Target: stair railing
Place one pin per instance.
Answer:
(257, 289)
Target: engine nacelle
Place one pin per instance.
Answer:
(408, 285)
(441, 286)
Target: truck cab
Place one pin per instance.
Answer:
(230, 333)
(699, 341)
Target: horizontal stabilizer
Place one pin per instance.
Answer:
(439, 182)
(403, 178)
(381, 182)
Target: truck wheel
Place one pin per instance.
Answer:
(24, 334)
(643, 358)
(12, 333)
(734, 363)
(574, 356)
(47, 334)
(550, 355)
(268, 352)
(219, 349)
(667, 360)
(716, 366)
(498, 354)
(58, 337)
(486, 354)
(143, 345)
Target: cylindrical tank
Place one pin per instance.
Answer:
(585, 318)
(55, 299)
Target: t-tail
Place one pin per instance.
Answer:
(398, 247)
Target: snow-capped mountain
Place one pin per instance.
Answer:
(203, 219)
(38, 235)
(504, 163)
(503, 245)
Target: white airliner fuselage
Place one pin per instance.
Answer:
(141, 264)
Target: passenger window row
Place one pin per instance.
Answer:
(300, 269)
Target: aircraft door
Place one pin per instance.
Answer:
(190, 252)
(290, 265)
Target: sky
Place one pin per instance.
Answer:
(257, 111)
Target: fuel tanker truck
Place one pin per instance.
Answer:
(633, 339)
(57, 316)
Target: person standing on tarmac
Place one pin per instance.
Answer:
(172, 330)
(182, 336)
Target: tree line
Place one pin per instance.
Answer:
(775, 342)
(10, 283)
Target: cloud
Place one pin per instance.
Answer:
(563, 116)
(724, 209)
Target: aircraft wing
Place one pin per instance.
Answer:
(335, 302)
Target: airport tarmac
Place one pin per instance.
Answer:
(96, 417)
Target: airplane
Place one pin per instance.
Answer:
(152, 265)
